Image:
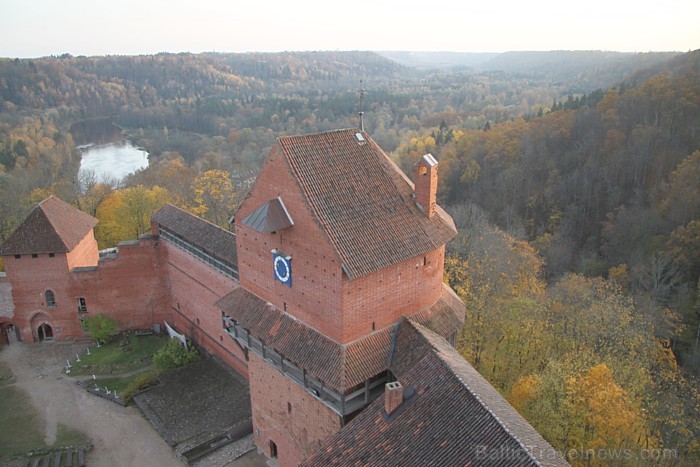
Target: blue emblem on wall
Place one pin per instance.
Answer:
(283, 267)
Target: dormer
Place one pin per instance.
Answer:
(270, 217)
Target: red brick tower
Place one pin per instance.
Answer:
(334, 247)
(53, 239)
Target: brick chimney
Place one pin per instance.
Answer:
(426, 179)
(393, 396)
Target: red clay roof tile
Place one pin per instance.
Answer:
(362, 200)
(215, 241)
(340, 367)
(455, 417)
(52, 226)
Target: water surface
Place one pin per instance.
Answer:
(106, 151)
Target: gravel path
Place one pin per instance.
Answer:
(120, 435)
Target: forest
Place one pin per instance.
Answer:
(573, 179)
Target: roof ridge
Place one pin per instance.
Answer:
(429, 339)
(45, 200)
(304, 135)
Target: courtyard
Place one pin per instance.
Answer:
(189, 407)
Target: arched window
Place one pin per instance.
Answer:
(50, 298)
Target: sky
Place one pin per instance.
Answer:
(37, 28)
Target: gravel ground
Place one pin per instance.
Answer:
(188, 403)
(121, 436)
(194, 404)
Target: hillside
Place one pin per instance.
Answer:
(579, 211)
(575, 71)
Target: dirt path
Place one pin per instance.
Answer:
(120, 435)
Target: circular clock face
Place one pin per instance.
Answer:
(282, 268)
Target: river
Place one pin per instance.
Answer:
(106, 151)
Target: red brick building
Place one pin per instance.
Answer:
(329, 298)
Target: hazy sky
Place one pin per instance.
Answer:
(34, 28)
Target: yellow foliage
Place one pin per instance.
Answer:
(610, 419)
(38, 195)
(125, 214)
(214, 196)
(524, 391)
(620, 276)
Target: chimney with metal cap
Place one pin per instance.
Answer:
(426, 180)
(393, 396)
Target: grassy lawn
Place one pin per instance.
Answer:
(118, 357)
(21, 426)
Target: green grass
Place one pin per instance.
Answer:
(128, 386)
(112, 359)
(118, 384)
(22, 427)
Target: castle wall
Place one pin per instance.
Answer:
(193, 287)
(131, 288)
(286, 414)
(314, 296)
(379, 299)
(149, 281)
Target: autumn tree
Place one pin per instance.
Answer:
(602, 413)
(91, 192)
(125, 214)
(214, 197)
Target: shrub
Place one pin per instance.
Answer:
(141, 382)
(101, 328)
(174, 355)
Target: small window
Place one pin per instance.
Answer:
(18, 256)
(51, 255)
(82, 305)
(34, 255)
(289, 407)
(425, 260)
(273, 450)
(50, 298)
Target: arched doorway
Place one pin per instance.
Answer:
(42, 328)
(44, 332)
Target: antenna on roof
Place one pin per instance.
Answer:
(360, 112)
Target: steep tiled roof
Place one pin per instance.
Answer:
(214, 240)
(446, 316)
(454, 418)
(340, 367)
(362, 200)
(52, 226)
